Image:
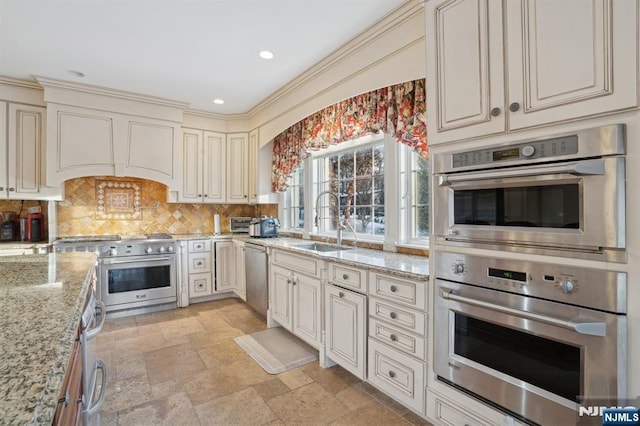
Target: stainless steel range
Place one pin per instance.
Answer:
(135, 275)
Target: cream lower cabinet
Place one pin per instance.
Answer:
(295, 295)
(199, 269)
(345, 329)
(397, 338)
(240, 285)
(554, 71)
(225, 266)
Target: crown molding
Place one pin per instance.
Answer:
(103, 91)
(26, 84)
(215, 115)
(386, 24)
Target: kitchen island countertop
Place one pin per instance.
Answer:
(41, 302)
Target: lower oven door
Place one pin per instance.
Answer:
(534, 358)
(136, 281)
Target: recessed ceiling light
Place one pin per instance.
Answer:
(76, 73)
(265, 54)
(218, 101)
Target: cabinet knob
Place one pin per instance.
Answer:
(199, 195)
(341, 294)
(495, 112)
(288, 280)
(11, 189)
(514, 107)
(245, 196)
(393, 289)
(1, 188)
(393, 337)
(392, 374)
(206, 195)
(393, 315)
(345, 276)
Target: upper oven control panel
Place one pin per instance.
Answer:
(555, 147)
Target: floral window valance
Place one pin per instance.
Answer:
(399, 109)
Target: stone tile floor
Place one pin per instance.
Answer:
(182, 367)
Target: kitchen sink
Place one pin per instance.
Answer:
(321, 247)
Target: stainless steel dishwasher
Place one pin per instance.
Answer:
(255, 266)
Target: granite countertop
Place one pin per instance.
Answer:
(41, 302)
(407, 265)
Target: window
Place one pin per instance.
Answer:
(357, 177)
(294, 201)
(418, 199)
(382, 188)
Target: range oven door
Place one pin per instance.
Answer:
(537, 359)
(577, 205)
(136, 281)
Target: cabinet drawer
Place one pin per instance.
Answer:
(200, 285)
(397, 338)
(348, 277)
(400, 290)
(198, 246)
(398, 375)
(296, 262)
(446, 413)
(200, 262)
(411, 320)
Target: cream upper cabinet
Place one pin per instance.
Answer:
(23, 168)
(238, 168)
(253, 166)
(554, 61)
(203, 167)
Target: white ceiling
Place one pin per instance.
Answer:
(185, 50)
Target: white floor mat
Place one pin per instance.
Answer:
(276, 350)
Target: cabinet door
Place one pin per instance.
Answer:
(224, 266)
(345, 329)
(240, 282)
(214, 175)
(200, 285)
(3, 148)
(238, 161)
(253, 166)
(306, 309)
(570, 59)
(26, 143)
(281, 296)
(191, 166)
(464, 69)
(153, 150)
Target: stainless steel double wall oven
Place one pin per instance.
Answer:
(535, 339)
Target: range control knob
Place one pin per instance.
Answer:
(170, 249)
(458, 268)
(567, 286)
(113, 251)
(528, 151)
(161, 249)
(149, 250)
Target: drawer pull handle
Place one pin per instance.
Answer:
(345, 276)
(393, 315)
(392, 374)
(341, 294)
(393, 337)
(393, 289)
(66, 399)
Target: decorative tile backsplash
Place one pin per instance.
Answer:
(77, 213)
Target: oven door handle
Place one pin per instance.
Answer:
(142, 259)
(101, 309)
(593, 328)
(581, 168)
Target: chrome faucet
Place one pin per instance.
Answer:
(340, 225)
